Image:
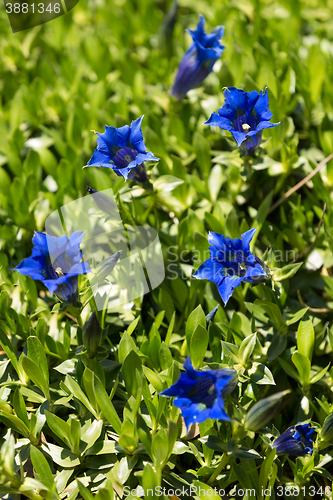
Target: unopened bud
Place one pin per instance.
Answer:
(210, 316)
(105, 203)
(92, 334)
(105, 268)
(327, 430)
(263, 411)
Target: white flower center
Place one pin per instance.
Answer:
(59, 271)
(246, 127)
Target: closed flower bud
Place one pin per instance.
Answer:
(167, 28)
(92, 334)
(105, 203)
(264, 411)
(327, 429)
(105, 268)
(296, 441)
(199, 59)
(210, 316)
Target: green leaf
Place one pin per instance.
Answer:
(289, 370)
(14, 423)
(165, 357)
(246, 348)
(202, 151)
(167, 183)
(277, 346)
(319, 375)
(105, 493)
(106, 405)
(20, 408)
(297, 316)
(303, 366)
(150, 481)
(260, 374)
(215, 344)
(102, 448)
(126, 345)
(153, 378)
(60, 428)
(214, 223)
(305, 338)
(197, 317)
(76, 390)
(159, 448)
(198, 345)
(60, 456)
(170, 329)
(286, 272)
(204, 491)
(243, 452)
(36, 375)
(214, 443)
(88, 382)
(42, 467)
(36, 352)
(132, 372)
(272, 310)
(132, 326)
(85, 493)
(8, 348)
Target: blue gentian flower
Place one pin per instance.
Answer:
(211, 315)
(55, 261)
(200, 394)
(123, 150)
(199, 59)
(296, 441)
(230, 263)
(245, 115)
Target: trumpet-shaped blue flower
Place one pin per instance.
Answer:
(245, 115)
(296, 441)
(200, 394)
(230, 263)
(55, 261)
(123, 150)
(199, 59)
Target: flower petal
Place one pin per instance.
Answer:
(227, 286)
(136, 136)
(246, 238)
(216, 120)
(209, 270)
(100, 159)
(261, 107)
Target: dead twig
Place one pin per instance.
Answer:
(318, 310)
(301, 183)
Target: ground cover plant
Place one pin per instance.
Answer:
(216, 380)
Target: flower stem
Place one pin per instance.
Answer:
(224, 461)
